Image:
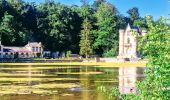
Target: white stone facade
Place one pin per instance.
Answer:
(128, 43)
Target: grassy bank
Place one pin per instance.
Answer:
(100, 64)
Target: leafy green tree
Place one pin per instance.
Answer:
(157, 42)
(107, 35)
(85, 46)
(133, 14)
(6, 26)
(97, 3)
(63, 28)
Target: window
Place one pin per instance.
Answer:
(40, 49)
(36, 49)
(22, 54)
(128, 40)
(33, 49)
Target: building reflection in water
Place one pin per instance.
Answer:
(128, 77)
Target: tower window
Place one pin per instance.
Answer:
(128, 40)
(36, 49)
(40, 49)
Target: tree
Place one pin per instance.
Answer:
(157, 42)
(107, 34)
(6, 29)
(133, 14)
(63, 28)
(85, 46)
(97, 3)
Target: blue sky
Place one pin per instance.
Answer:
(155, 8)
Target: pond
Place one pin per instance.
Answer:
(33, 82)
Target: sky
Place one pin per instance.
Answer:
(156, 8)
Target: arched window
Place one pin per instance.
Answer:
(128, 40)
(33, 49)
(36, 49)
(39, 49)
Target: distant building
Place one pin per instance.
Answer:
(32, 49)
(128, 43)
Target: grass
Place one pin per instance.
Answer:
(98, 64)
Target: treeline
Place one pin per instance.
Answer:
(87, 29)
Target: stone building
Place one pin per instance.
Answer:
(32, 49)
(128, 43)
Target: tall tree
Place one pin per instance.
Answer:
(97, 3)
(85, 46)
(107, 36)
(133, 14)
(6, 29)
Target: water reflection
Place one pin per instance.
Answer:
(61, 82)
(128, 77)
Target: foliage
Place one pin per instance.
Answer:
(38, 55)
(63, 27)
(6, 28)
(157, 43)
(112, 93)
(133, 14)
(97, 3)
(107, 35)
(111, 53)
(85, 46)
(68, 54)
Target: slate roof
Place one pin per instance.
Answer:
(16, 49)
(136, 28)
